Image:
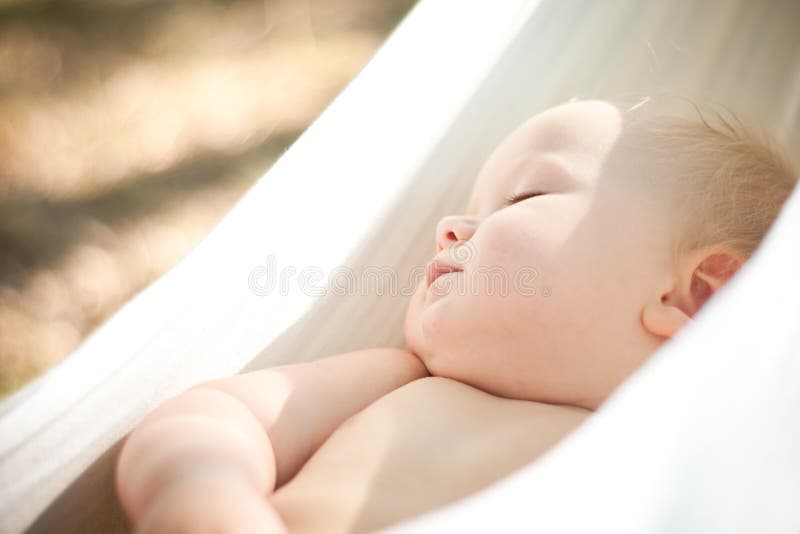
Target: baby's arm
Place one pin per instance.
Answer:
(250, 432)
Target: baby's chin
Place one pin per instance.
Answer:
(422, 323)
(429, 325)
(412, 327)
(434, 332)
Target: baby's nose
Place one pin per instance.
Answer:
(454, 228)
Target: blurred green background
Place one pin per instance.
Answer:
(128, 128)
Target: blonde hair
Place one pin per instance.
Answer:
(732, 179)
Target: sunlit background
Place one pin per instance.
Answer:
(128, 128)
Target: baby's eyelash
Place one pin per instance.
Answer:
(519, 197)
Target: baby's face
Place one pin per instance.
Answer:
(578, 261)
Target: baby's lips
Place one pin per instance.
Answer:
(438, 267)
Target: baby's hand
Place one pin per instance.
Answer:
(210, 504)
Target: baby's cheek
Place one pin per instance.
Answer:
(512, 267)
(508, 238)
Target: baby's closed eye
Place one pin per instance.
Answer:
(519, 197)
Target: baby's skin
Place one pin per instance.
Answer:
(489, 379)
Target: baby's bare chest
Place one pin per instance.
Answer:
(424, 445)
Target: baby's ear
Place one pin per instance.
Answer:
(700, 275)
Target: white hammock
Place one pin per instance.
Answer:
(364, 185)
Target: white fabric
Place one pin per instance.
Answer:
(704, 438)
(365, 186)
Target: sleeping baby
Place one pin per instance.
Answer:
(603, 229)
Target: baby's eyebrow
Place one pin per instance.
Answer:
(548, 167)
